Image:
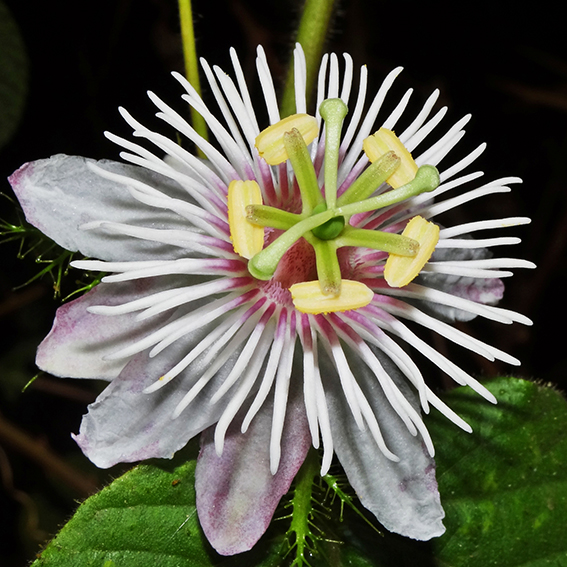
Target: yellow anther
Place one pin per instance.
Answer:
(384, 141)
(308, 297)
(270, 143)
(401, 270)
(247, 238)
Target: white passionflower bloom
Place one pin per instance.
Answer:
(263, 295)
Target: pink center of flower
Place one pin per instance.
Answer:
(297, 265)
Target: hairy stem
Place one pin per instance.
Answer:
(302, 506)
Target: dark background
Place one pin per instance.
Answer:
(505, 65)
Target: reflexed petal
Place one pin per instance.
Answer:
(60, 194)
(236, 493)
(482, 291)
(79, 341)
(402, 495)
(486, 291)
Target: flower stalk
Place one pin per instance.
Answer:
(311, 34)
(302, 508)
(191, 63)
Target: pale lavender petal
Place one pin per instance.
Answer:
(236, 493)
(402, 495)
(61, 193)
(78, 341)
(485, 291)
(125, 424)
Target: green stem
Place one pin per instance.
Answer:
(191, 63)
(311, 34)
(302, 506)
(334, 485)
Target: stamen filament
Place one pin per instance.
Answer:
(264, 215)
(426, 179)
(328, 269)
(304, 170)
(372, 177)
(378, 240)
(333, 111)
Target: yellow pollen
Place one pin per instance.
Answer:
(401, 270)
(384, 141)
(270, 142)
(247, 238)
(308, 297)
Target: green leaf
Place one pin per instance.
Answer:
(146, 517)
(13, 75)
(504, 487)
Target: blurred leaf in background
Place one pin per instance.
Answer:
(13, 75)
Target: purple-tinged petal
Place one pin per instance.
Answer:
(125, 424)
(78, 341)
(236, 493)
(484, 291)
(402, 495)
(60, 194)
